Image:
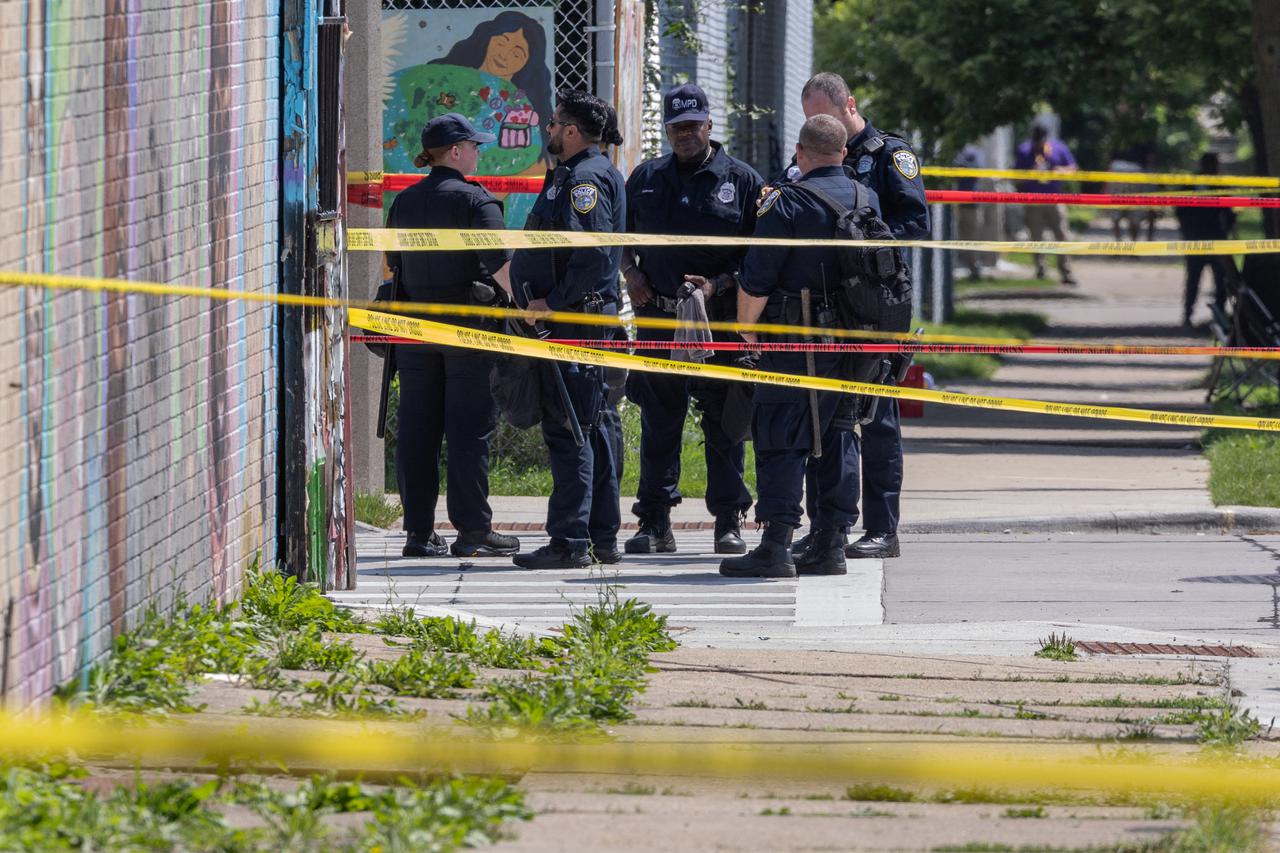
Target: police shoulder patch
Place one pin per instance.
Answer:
(584, 197)
(906, 163)
(769, 201)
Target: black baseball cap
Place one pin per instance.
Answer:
(685, 103)
(450, 129)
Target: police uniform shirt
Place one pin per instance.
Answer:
(445, 199)
(788, 211)
(716, 199)
(893, 173)
(585, 193)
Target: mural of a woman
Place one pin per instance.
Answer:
(511, 46)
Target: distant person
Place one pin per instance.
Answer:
(969, 216)
(1206, 223)
(1042, 154)
(1131, 219)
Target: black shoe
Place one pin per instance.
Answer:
(729, 534)
(873, 545)
(824, 556)
(655, 536)
(484, 544)
(770, 559)
(801, 545)
(606, 554)
(430, 545)
(557, 554)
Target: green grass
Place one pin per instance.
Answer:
(1010, 324)
(968, 287)
(377, 510)
(873, 793)
(1244, 466)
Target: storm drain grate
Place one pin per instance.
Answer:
(1095, 647)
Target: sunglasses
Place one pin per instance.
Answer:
(554, 122)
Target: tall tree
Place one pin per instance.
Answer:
(1266, 92)
(956, 70)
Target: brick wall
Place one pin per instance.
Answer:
(138, 139)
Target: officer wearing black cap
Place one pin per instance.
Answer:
(583, 193)
(444, 391)
(697, 189)
(783, 285)
(885, 163)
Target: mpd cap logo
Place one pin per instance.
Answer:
(584, 197)
(683, 104)
(905, 162)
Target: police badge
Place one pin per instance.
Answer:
(727, 193)
(864, 164)
(552, 192)
(793, 174)
(905, 162)
(584, 197)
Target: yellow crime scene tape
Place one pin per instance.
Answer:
(303, 746)
(1259, 181)
(1264, 181)
(441, 334)
(456, 239)
(297, 300)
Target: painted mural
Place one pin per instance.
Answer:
(492, 65)
(138, 457)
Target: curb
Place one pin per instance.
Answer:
(1224, 519)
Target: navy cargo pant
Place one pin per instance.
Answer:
(663, 400)
(783, 434)
(444, 396)
(881, 472)
(584, 506)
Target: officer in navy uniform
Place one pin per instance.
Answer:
(886, 164)
(697, 189)
(772, 287)
(583, 193)
(444, 391)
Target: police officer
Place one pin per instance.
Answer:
(697, 189)
(797, 286)
(444, 391)
(583, 193)
(886, 164)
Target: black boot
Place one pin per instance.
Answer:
(557, 554)
(874, 546)
(824, 556)
(770, 559)
(606, 554)
(484, 543)
(655, 536)
(729, 534)
(430, 545)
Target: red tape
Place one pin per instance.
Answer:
(370, 194)
(971, 349)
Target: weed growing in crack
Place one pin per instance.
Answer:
(1058, 647)
(422, 674)
(342, 695)
(873, 793)
(1227, 727)
(306, 649)
(1028, 812)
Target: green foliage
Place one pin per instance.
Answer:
(606, 652)
(1244, 467)
(491, 648)
(1221, 828)
(307, 649)
(276, 602)
(873, 793)
(376, 510)
(343, 695)
(1058, 647)
(152, 668)
(427, 676)
(1027, 812)
(1227, 727)
(1119, 72)
(444, 815)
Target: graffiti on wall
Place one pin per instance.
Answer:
(492, 65)
(146, 467)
